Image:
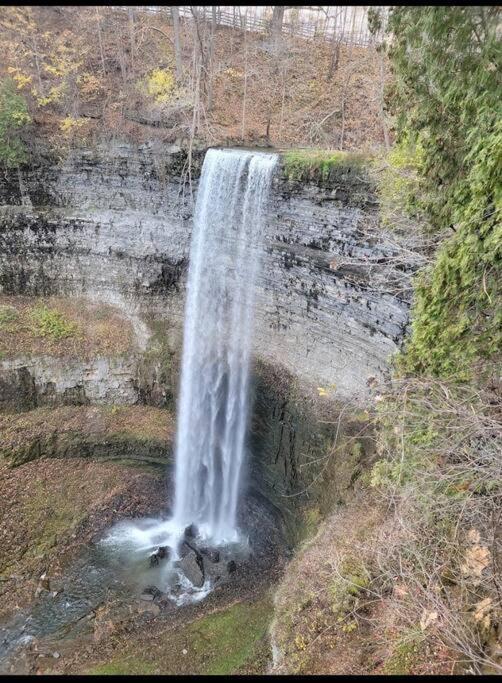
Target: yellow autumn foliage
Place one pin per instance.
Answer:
(20, 78)
(160, 85)
(70, 125)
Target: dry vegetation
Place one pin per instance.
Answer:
(330, 615)
(89, 73)
(406, 578)
(62, 327)
(65, 430)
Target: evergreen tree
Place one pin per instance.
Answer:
(13, 117)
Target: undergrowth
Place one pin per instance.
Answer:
(440, 467)
(51, 323)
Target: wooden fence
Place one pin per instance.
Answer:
(334, 24)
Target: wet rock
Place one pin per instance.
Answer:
(184, 549)
(43, 585)
(211, 554)
(191, 531)
(176, 590)
(162, 553)
(192, 567)
(44, 582)
(151, 593)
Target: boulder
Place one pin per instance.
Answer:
(151, 593)
(162, 553)
(193, 568)
(186, 548)
(191, 531)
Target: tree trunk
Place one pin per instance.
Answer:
(130, 12)
(100, 40)
(382, 102)
(210, 60)
(335, 57)
(177, 42)
(277, 21)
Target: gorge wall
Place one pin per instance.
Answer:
(114, 225)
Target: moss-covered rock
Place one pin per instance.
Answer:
(346, 173)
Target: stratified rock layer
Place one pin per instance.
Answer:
(115, 225)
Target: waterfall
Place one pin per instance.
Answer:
(213, 403)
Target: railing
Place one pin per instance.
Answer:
(330, 27)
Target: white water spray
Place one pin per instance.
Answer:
(213, 407)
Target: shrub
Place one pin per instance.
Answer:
(160, 85)
(448, 105)
(440, 467)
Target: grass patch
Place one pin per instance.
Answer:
(319, 165)
(8, 315)
(52, 323)
(62, 327)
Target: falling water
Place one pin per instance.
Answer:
(213, 404)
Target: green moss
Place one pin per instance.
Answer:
(320, 166)
(227, 641)
(53, 514)
(232, 640)
(8, 315)
(345, 588)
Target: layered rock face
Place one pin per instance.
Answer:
(115, 225)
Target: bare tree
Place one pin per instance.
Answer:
(177, 42)
(100, 40)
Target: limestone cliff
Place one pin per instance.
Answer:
(114, 224)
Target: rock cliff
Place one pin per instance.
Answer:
(114, 224)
